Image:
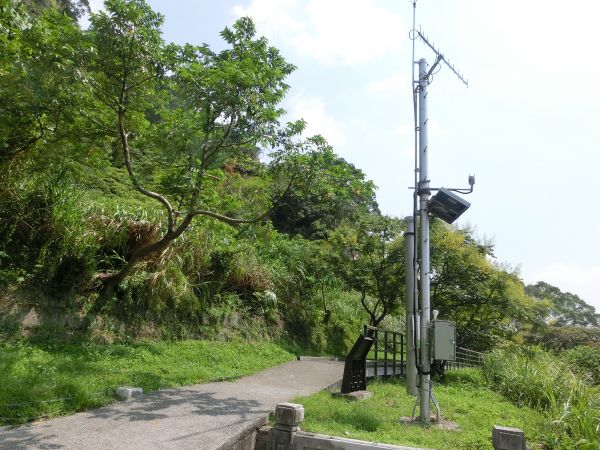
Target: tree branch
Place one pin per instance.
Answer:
(230, 220)
(132, 175)
(364, 303)
(139, 83)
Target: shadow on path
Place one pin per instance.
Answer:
(162, 404)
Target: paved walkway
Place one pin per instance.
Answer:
(203, 416)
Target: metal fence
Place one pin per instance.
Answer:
(465, 358)
(387, 357)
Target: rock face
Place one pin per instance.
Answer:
(75, 321)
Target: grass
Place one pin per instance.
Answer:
(56, 379)
(463, 398)
(532, 377)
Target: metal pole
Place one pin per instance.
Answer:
(409, 260)
(424, 193)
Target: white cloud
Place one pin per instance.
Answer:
(334, 32)
(388, 85)
(312, 110)
(96, 5)
(579, 280)
(273, 17)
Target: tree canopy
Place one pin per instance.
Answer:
(565, 309)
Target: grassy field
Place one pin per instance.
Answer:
(50, 380)
(463, 400)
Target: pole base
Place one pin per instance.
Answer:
(433, 399)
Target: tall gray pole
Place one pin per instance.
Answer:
(410, 268)
(424, 193)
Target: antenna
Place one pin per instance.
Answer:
(440, 57)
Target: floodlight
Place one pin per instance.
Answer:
(447, 205)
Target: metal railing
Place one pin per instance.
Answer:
(387, 357)
(465, 358)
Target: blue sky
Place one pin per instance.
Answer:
(526, 126)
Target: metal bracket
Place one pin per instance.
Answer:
(423, 188)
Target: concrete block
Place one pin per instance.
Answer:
(506, 438)
(357, 395)
(128, 392)
(288, 416)
(263, 438)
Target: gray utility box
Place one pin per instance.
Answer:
(443, 340)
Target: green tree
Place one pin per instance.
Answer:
(485, 300)
(566, 308)
(369, 257)
(73, 9)
(320, 202)
(40, 89)
(565, 337)
(190, 109)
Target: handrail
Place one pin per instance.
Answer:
(469, 350)
(388, 353)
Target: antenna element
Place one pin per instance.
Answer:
(440, 57)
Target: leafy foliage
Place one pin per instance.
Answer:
(369, 258)
(487, 301)
(332, 191)
(566, 337)
(585, 360)
(39, 89)
(73, 9)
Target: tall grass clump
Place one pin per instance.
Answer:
(585, 360)
(43, 234)
(532, 377)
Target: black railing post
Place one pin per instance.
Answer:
(385, 353)
(394, 349)
(376, 334)
(402, 355)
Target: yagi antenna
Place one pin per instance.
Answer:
(440, 57)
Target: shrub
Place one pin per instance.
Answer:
(585, 360)
(566, 337)
(530, 376)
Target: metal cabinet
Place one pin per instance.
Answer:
(443, 340)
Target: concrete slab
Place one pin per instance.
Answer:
(357, 395)
(204, 416)
(128, 392)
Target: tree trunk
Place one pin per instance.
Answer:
(113, 281)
